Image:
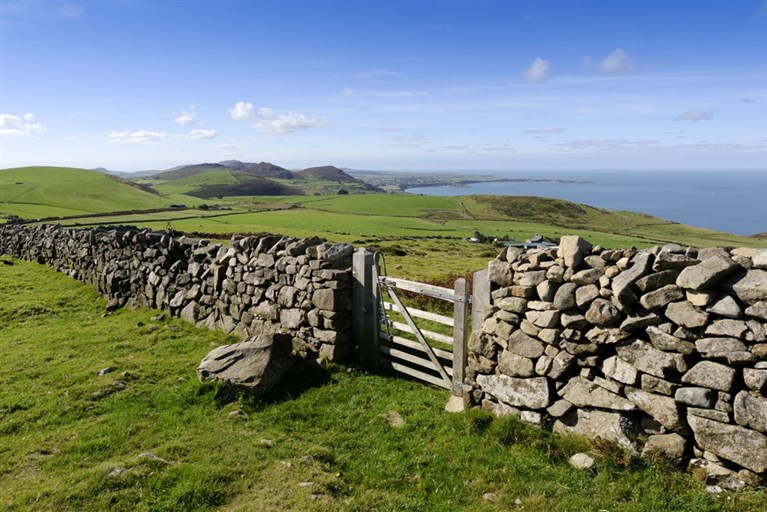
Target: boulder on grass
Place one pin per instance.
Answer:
(256, 364)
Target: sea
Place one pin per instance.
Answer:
(729, 201)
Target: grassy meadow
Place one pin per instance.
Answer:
(149, 436)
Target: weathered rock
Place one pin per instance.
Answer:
(572, 250)
(512, 304)
(657, 280)
(696, 397)
(607, 336)
(572, 320)
(618, 369)
(757, 311)
(669, 343)
(700, 298)
(755, 379)
(666, 447)
(515, 366)
(543, 319)
(709, 374)
(725, 306)
(564, 298)
(751, 287)
(640, 320)
(662, 408)
(257, 364)
(602, 313)
(751, 411)
(525, 346)
(581, 461)
(707, 273)
(706, 346)
(559, 408)
(586, 277)
(623, 283)
(534, 393)
(673, 261)
(611, 426)
(585, 294)
(743, 446)
(759, 259)
(662, 296)
(650, 360)
(685, 314)
(653, 384)
(500, 272)
(582, 392)
(732, 328)
(530, 278)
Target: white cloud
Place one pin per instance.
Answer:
(19, 126)
(286, 123)
(202, 134)
(242, 111)
(695, 115)
(538, 71)
(141, 136)
(617, 62)
(187, 117)
(347, 92)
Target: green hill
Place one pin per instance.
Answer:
(36, 192)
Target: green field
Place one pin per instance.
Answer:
(71, 440)
(54, 191)
(430, 232)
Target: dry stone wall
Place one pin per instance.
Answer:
(260, 285)
(666, 345)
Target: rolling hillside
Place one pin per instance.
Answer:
(34, 192)
(235, 178)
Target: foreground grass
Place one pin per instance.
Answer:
(72, 440)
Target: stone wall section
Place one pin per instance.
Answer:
(666, 345)
(259, 285)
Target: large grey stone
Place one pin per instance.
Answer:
(582, 392)
(685, 314)
(532, 393)
(759, 259)
(668, 447)
(709, 374)
(751, 287)
(673, 261)
(725, 306)
(696, 397)
(758, 311)
(663, 408)
(572, 250)
(654, 281)
(662, 296)
(743, 446)
(623, 283)
(515, 366)
(618, 369)
(586, 277)
(500, 272)
(755, 379)
(669, 343)
(565, 296)
(602, 313)
(640, 320)
(751, 411)
(732, 328)
(648, 359)
(512, 304)
(617, 427)
(707, 273)
(653, 384)
(256, 364)
(526, 346)
(585, 294)
(716, 345)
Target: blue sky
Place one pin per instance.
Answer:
(402, 85)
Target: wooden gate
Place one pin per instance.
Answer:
(391, 334)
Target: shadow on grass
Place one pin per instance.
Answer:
(293, 385)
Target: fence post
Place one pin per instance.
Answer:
(365, 308)
(479, 297)
(460, 338)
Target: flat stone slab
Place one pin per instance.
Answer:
(740, 445)
(532, 393)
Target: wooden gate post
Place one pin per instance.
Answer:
(460, 335)
(365, 307)
(479, 297)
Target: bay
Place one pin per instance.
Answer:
(729, 201)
